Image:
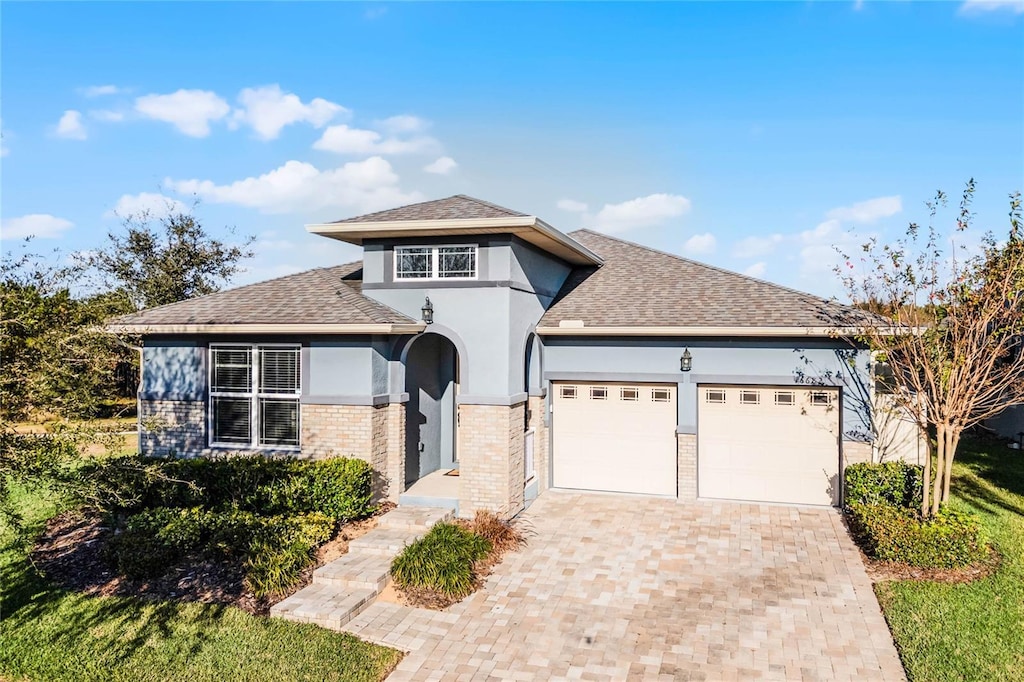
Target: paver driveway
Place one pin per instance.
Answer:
(616, 587)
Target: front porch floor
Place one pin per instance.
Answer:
(436, 489)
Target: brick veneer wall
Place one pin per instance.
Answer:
(373, 433)
(540, 442)
(856, 451)
(686, 468)
(491, 463)
(172, 427)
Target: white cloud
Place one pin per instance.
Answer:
(145, 202)
(100, 90)
(70, 126)
(342, 139)
(107, 115)
(38, 225)
(818, 247)
(190, 111)
(756, 270)
(403, 123)
(867, 211)
(268, 109)
(443, 166)
(572, 206)
(641, 212)
(980, 6)
(700, 244)
(366, 185)
(755, 247)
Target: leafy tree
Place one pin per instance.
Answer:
(160, 260)
(947, 322)
(56, 357)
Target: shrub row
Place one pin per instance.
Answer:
(896, 483)
(338, 487)
(441, 561)
(275, 548)
(951, 539)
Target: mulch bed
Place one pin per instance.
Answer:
(70, 554)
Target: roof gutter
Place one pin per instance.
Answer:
(144, 329)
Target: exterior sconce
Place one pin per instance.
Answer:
(686, 361)
(428, 311)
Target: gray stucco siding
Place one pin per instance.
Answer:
(173, 369)
(717, 361)
(340, 367)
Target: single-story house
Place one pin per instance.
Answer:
(476, 357)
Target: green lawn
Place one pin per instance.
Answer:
(973, 631)
(49, 634)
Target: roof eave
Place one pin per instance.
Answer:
(333, 329)
(581, 330)
(529, 228)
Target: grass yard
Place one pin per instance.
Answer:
(48, 634)
(972, 631)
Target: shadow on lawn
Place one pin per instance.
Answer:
(127, 623)
(996, 464)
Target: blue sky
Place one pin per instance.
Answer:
(754, 136)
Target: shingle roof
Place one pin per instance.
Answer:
(321, 296)
(458, 207)
(641, 287)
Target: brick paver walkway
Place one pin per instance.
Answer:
(616, 588)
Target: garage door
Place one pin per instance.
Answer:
(768, 444)
(618, 437)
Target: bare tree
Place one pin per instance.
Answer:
(948, 323)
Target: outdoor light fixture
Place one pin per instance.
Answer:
(686, 361)
(428, 311)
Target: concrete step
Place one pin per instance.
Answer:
(324, 605)
(385, 542)
(355, 572)
(414, 518)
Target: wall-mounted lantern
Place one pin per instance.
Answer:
(686, 361)
(428, 311)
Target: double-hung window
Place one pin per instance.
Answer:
(435, 262)
(254, 395)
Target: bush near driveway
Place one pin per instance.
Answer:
(952, 539)
(896, 483)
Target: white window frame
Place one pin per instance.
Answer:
(254, 395)
(435, 260)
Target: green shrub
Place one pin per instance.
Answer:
(952, 539)
(338, 487)
(153, 540)
(441, 561)
(894, 482)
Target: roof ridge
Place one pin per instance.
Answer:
(511, 212)
(704, 265)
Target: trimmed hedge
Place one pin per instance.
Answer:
(441, 561)
(951, 539)
(338, 487)
(275, 548)
(896, 483)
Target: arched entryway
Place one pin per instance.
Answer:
(431, 380)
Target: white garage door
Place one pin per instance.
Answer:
(768, 444)
(618, 437)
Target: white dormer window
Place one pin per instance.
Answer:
(435, 262)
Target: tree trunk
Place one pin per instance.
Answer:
(942, 434)
(954, 442)
(925, 480)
